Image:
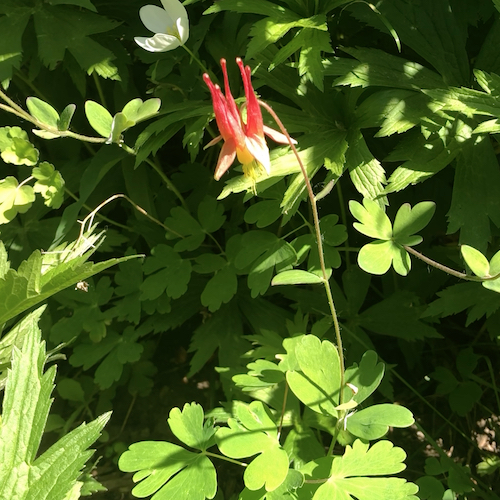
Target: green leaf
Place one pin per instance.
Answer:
(377, 68)
(66, 116)
(120, 124)
(367, 174)
(42, 111)
(348, 475)
(208, 263)
(397, 316)
(16, 148)
(169, 471)
(316, 380)
(366, 377)
(261, 373)
(60, 28)
(374, 422)
(14, 199)
(476, 190)
(99, 118)
(167, 272)
(137, 111)
(314, 43)
(255, 433)
(26, 404)
(296, 277)
(49, 184)
(377, 257)
(373, 221)
(220, 289)
(187, 226)
(188, 426)
(42, 276)
(263, 213)
(476, 261)
(12, 28)
(211, 214)
(409, 220)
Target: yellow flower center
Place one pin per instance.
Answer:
(244, 156)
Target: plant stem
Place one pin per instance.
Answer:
(191, 53)
(319, 242)
(448, 270)
(227, 459)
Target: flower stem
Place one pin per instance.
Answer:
(191, 53)
(319, 242)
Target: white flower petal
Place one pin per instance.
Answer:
(155, 18)
(175, 9)
(183, 29)
(162, 43)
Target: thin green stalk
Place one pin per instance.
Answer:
(447, 269)
(343, 218)
(191, 53)
(170, 185)
(227, 459)
(99, 89)
(319, 242)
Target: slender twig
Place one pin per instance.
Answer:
(227, 459)
(319, 241)
(448, 270)
(89, 219)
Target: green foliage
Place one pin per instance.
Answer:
(24, 473)
(388, 249)
(389, 104)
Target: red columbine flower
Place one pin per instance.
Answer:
(242, 139)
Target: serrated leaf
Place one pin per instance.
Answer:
(42, 111)
(257, 433)
(26, 404)
(316, 379)
(169, 471)
(397, 316)
(374, 422)
(99, 118)
(367, 174)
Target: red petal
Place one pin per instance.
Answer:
(254, 125)
(226, 159)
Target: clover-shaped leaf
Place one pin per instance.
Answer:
(316, 378)
(377, 257)
(169, 471)
(348, 477)
(255, 433)
(49, 184)
(261, 373)
(14, 199)
(188, 427)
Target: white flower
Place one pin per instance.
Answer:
(170, 24)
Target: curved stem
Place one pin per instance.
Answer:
(319, 242)
(191, 53)
(447, 269)
(90, 217)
